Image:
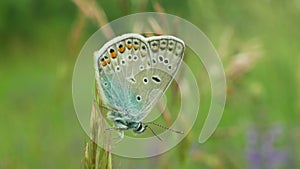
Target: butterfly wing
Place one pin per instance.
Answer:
(116, 63)
(133, 72)
(166, 53)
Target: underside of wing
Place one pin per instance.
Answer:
(115, 65)
(133, 72)
(166, 53)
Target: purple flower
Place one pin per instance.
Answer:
(262, 151)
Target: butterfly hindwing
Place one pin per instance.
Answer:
(166, 54)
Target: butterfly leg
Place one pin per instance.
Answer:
(120, 138)
(120, 127)
(121, 134)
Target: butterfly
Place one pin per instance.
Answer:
(132, 72)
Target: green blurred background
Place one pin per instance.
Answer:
(258, 42)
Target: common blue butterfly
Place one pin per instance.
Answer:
(132, 73)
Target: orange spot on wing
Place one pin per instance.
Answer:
(128, 46)
(121, 50)
(113, 55)
(136, 47)
(108, 61)
(103, 63)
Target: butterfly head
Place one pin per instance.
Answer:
(139, 128)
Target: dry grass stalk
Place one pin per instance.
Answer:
(158, 8)
(92, 10)
(76, 31)
(94, 156)
(224, 42)
(244, 61)
(165, 112)
(142, 5)
(155, 26)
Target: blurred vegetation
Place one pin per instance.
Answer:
(258, 42)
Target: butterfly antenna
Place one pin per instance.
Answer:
(154, 133)
(166, 128)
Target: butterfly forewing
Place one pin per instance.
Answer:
(116, 64)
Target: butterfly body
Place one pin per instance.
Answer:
(132, 73)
